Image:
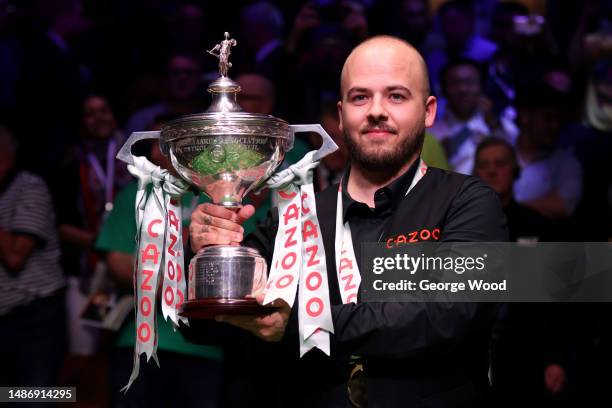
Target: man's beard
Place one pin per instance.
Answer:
(385, 162)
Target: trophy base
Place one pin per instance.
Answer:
(209, 308)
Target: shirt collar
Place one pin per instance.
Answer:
(396, 190)
(451, 124)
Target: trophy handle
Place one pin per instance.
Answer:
(328, 146)
(125, 153)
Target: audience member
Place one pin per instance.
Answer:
(257, 94)
(551, 177)
(457, 22)
(415, 23)
(83, 194)
(496, 164)
(52, 86)
(501, 82)
(32, 309)
(591, 142)
(527, 349)
(182, 94)
(264, 52)
(262, 30)
(320, 63)
(466, 115)
(349, 16)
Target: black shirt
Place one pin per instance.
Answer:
(369, 224)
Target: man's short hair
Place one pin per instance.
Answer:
(496, 141)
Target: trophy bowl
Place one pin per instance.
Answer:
(226, 157)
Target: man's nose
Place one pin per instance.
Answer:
(377, 109)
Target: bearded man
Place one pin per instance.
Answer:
(409, 354)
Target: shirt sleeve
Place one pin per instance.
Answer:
(433, 154)
(33, 214)
(400, 329)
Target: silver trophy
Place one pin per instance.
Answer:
(226, 153)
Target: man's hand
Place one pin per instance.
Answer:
(215, 225)
(15, 250)
(270, 327)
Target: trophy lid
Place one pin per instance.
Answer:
(224, 116)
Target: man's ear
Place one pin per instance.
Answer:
(431, 107)
(340, 125)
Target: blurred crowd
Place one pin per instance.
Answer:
(525, 103)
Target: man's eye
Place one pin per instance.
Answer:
(397, 97)
(358, 98)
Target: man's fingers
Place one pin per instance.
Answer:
(267, 320)
(200, 218)
(216, 211)
(212, 214)
(245, 213)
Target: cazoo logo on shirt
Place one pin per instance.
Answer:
(424, 234)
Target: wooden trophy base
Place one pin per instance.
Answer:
(209, 308)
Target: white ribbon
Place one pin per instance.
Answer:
(174, 286)
(314, 313)
(299, 255)
(347, 270)
(159, 243)
(287, 257)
